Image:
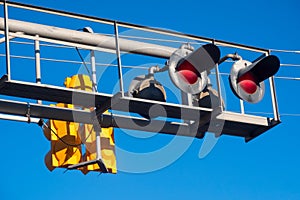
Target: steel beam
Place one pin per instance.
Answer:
(97, 40)
(246, 126)
(18, 109)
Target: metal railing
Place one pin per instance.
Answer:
(114, 43)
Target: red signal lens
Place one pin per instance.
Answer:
(248, 83)
(188, 72)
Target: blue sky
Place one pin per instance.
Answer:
(265, 168)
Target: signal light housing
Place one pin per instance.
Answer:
(209, 98)
(247, 79)
(146, 87)
(188, 69)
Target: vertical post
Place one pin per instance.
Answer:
(186, 99)
(98, 145)
(37, 62)
(119, 58)
(94, 73)
(7, 47)
(219, 86)
(94, 82)
(242, 106)
(273, 96)
(274, 99)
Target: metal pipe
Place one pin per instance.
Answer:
(82, 116)
(187, 99)
(97, 40)
(97, 130)
(274, 99)
(7, 47)
(242, 106)
(37, 52)
(19, 118)
(219, 87)
(94, 72)
(234, 57)
(3, 39)
(273, 95)
(98, 145)
(134, 26)
(119, 58)
(154, 69)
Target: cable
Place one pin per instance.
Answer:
(290, 115)
(285, 51)
(66, 143)
(133, 67)
(154, 39)
(288, 78)
(82, 60)
(151, 39)
(289, 65)
(281, 114)
(42, 44)
(75, 62)
(276, 77)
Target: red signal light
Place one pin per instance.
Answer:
(188, 68)
(188, 72)
(248, 83)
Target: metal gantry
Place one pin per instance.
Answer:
(236, 124)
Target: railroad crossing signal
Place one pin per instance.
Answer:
(247, 79)
(188, 69)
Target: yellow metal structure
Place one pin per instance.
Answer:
(68, 138)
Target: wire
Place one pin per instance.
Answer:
(132, 67)
(277, 77)
(62, 140)
(147, 38)
(285, 51)
(75, 62)
(289, 65)
(288, 78)
(290, 114)
(281, 114)
(154, 39)
(82, 60)
(42, 44)
(66, 143)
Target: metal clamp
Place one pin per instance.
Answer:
(28, 113)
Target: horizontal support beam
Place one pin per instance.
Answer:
(91, 99)
(133, 26)
(43, 111)
(19, 118)
(90, 39)
(51, 93)
(230, 126)
(82, 116)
